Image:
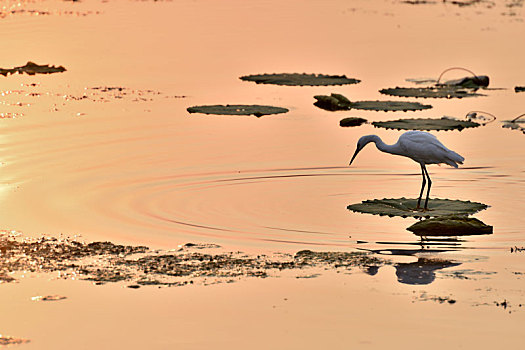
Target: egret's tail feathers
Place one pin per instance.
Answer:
(453, 159)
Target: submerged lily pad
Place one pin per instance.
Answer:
(453, 225)
(430, 92)
(444, 123)
(338, 102)
(405, 207)
(256, 110)
(32, 68)
(352, 121)
(297, 79)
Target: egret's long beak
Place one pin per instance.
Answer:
(355, 154)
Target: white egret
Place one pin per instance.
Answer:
(421, 147)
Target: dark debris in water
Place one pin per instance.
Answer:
(338, 102)
(444, 123)
(256, 110)
(32, 68)
(405, 207)
(7, 340)
(297, 79)
(105, 262)
(519, 88)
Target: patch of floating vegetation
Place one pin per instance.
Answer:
(297, 79)
(515, 124)
(519, 88)
(453, 225)
(7, 340)
(405, 207)
(255, 110)
(338, 102)
(444, 91)
(16, 11)
(423, 296)
(352, 121)
(444, 123)
(32, 68)
(48, 298)
(105, 262)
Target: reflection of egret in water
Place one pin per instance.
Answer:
(419, 272)
(422, 271)
(420, 146)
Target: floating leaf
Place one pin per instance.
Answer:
(256, 110)
(444, 123)
(515, 124)
(450, 226)
(430, 92)
(337, 102)
(48, 298)
(405, 207)
(351, 121)
(519, 88)
(32, 68)
(296, 79)
(474, 82)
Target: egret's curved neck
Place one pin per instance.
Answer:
(383, 147)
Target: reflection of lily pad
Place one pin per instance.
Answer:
(32, 69)
(450, 226)
(296, 79)
(430, 92)
(351, 121)
(426, 124)
(338, 102)
(405, 207)
(256, 110)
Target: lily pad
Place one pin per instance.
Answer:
(430, 92)
(519, 88)
(453, 225)
(338, 102)
(256, 110)
(405, 207)
(473, 82)
(351, 121)
(32, 68)
(444, 123)
(297, 79)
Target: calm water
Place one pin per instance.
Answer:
(131, 165)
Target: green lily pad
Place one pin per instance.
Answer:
(352, 121)
(426, 124)
(32, 68)
(452, 225)
(405, 207)
(338, 102)
(297, 79)
(430, 92)
(256, 110)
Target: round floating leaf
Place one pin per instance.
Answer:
(405, 207)
(453, 225)
(338, 102)
(256, 110)
(351, 121)
(426, 124)
(296, 79)
(430, 92)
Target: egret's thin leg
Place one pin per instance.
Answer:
(428, 188)
(422, 187)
